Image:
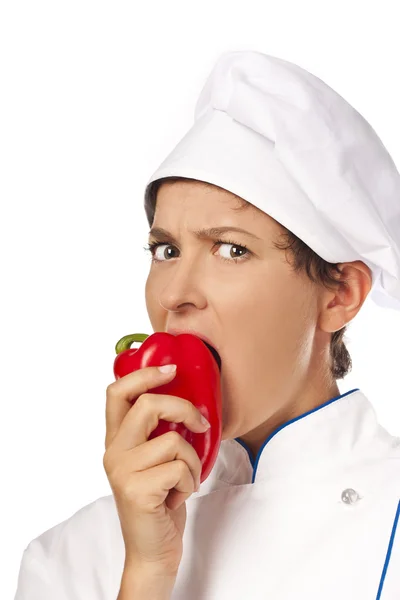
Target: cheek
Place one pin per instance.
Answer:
(232, 296)
(148, 294)
(263, 300)
(268, 328)
(153, 307)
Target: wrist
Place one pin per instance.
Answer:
(146, 581)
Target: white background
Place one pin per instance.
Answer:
(93, 97)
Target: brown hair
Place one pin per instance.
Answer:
(304, 259)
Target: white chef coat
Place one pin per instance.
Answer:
(314, 516)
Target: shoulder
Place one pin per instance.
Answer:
(94, 521)
(74, 554)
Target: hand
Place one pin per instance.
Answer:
(150, 479)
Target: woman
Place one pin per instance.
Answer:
(271, 222)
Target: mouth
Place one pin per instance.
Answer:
(215, 354)
(213, 351)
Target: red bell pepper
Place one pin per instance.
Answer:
(197, 379)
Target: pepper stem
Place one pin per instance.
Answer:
(125, 342)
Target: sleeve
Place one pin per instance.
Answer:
(34, 578)
(72, 560)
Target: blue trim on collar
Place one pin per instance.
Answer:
(255, 463)
(389, 551)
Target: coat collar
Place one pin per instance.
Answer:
(315, 442)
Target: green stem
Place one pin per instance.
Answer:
(125, 342)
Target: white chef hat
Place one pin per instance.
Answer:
(278, 136)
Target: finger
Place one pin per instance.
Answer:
(152, 487)
(122, 392)
(165, 448)
(145, 414)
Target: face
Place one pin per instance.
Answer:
(261, 316)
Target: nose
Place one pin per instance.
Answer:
(184, 288)
(165, 308)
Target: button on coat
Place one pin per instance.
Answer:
(315, 515)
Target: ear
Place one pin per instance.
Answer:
(340, 304)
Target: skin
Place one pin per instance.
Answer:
(272, 326)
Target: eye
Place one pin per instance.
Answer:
(153, 247)
(235, 246)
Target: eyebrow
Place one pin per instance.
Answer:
(160, 234)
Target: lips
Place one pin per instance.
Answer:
(215, 354)
(204, 338)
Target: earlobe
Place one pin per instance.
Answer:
(334, 317)
(354, 284)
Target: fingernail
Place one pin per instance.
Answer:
(204, 422)
(167, 368)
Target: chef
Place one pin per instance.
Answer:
(303, 501)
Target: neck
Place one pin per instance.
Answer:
(297, 405)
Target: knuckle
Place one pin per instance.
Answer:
(108, 463)
(143, 399)
(106, 458)
(113, 465)
(181, 467)
(189, 404)
(174, 438)
(129, 490)
(110, 389)
(193, 410)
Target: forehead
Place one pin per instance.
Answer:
(193, 189)
(193, 200)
